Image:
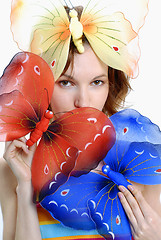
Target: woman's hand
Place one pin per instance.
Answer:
(19, 158)
(25, 225)
(145, 222)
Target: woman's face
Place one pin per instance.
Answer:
(86, 86)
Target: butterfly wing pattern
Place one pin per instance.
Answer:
(135, 156)
(105, 24)
(91, 200)
(109, 30)
(94, 144)
(47, 33)
(31, 75)
(130, 127)
(26, 87)
(108, 214)
(53, 162)
(141, 163)
(86, 129)
(15, 122)
(69, 203)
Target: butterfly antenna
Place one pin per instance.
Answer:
(66, 3)
(69, 3)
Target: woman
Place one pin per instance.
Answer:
(85, 81)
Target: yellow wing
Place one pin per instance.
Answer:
(42, 27)
(111, 35)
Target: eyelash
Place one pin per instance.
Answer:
(67, 83)
(62, 83)
(98, 82)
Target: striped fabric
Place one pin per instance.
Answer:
(51, 229)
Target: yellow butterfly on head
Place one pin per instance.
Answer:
(44, 27)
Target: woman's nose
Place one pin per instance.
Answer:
(82, 99)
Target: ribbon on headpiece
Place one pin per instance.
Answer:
(44, 28)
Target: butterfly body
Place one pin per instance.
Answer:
(76, 29)
(135, 156)
(40, 128)
(49, 31)
(116, 177)
(97, 138)
(26, 90)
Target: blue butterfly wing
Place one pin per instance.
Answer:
(142, 163)
(135, 154)
(130, 127)
(108, 214)
(69, 203)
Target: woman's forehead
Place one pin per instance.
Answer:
(88, 60)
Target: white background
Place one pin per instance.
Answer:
(146, 94)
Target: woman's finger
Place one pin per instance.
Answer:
(10, 148)
(128, 210)
(144, 206)
(23, 139)
(131, 207)
(21, 144)
(7, 144)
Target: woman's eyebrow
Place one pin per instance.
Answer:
(100, 76)
(95, 78)
(66, 75)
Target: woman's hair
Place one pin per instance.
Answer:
(119, 85)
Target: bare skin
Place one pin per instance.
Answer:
(81, 88)
(142, 206)
(16, 200)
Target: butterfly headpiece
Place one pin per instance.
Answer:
(111, 27)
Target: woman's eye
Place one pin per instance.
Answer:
(65, 83)
(97, 82)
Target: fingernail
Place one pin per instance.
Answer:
(120, 195)
(131, 188)
(121, 188)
